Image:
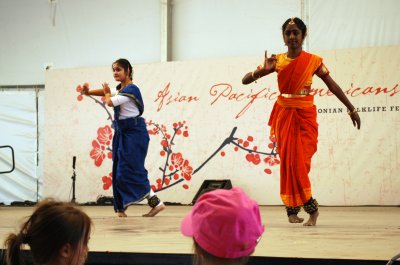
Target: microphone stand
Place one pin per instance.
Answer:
(73, 200)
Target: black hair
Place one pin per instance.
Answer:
(125, 64)
(299, 23)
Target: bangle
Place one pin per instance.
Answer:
(252, 75)
(352, 112)
(108, 94)
(254, 78)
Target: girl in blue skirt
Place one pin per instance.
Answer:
(130, 142)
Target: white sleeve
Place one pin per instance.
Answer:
(118, 100)
(113, 91)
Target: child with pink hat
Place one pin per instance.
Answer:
(225, 226)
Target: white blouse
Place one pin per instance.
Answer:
(127, 105)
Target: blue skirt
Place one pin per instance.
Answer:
(129, 177)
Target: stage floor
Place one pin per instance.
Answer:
(360, 233)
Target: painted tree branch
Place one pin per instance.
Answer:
(103, 105)
(231, 140)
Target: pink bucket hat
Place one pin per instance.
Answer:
(225, 223)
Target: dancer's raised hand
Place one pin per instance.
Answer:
(106, 88)
(269, 63)
(85, 88)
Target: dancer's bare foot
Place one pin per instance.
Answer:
(293, 218)
(312, 221)
(122, 214)
(154, 211)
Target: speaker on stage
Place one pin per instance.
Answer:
(23, 203)
(105, 200)
(212, 184)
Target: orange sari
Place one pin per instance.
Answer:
(293, 121)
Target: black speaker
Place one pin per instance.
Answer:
(105, 200)
(212, 184)
(23, 203)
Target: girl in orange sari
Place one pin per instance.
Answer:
(293, 118)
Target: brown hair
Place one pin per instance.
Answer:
(200, 254)
(51, 226)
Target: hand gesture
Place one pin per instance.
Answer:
(269, 63)
(106, 88)
(85, 89)
(356, 119)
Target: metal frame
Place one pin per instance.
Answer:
(13, 159)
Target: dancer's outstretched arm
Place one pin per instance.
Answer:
(92, 92)
(338, 92)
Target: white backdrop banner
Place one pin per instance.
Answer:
(204, 124)
(18, 123)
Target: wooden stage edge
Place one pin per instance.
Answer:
(343, 235)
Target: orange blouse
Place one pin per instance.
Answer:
(283, 61)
